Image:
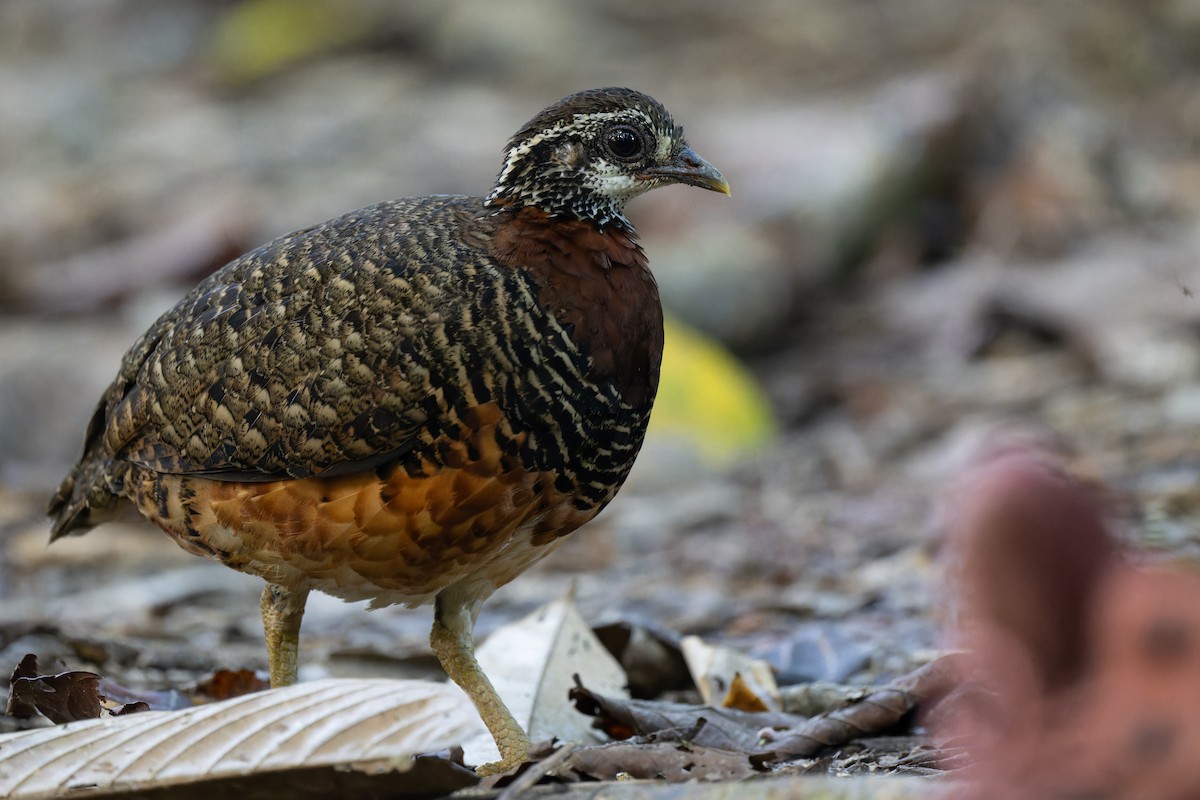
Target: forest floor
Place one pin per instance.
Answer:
(966, 239)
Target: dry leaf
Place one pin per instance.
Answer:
(714, 668)
(820, 697)
(877, 713)
(76, 695)
(703, 726)
(671, 762)
(65, 697)
(329, 735)
(225, 684)
(742, 697)
(136, 707)
(707, 399)
(531, 663)
(649, 655)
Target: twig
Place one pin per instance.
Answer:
(536, 772)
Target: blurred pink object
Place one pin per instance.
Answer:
(1084, 675)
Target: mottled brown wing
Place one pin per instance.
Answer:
(326, 351)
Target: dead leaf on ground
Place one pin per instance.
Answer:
(820, 697)
(65, 697)
(730, 678)
(669, 761)
(745, 697)
(225, 684)
(323, 738)
(880, 711)
(650, 656)
(75, 695)
(1009, 325)
(702, 726)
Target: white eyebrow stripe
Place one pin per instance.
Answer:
(582, 122)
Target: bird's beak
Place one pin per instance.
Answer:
(691, 169)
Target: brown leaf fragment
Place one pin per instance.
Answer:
(227, 683)
(74, 695)
(65, 697)
(667, 761)
(27, 667)
(702, 726)
(649, 655)
(742, 697)
(17, 706)
(880, 711)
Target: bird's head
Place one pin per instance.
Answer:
(589, 154)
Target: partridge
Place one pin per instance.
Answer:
(410, 403)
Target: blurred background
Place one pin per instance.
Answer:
(950, 222)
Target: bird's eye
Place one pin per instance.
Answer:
(624, 143)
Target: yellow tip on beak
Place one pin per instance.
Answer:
(689, 168)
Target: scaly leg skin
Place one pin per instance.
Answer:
(282, 610)
(451, 639)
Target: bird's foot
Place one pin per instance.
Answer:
(501, 767)
(514, 749)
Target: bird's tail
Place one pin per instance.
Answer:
(84, 499)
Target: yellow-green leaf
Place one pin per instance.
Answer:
(259, 37)
(707, 398)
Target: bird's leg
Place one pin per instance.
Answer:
(282, 610)
(451, 639)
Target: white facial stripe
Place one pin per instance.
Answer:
(663, 151)
(583, 123)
